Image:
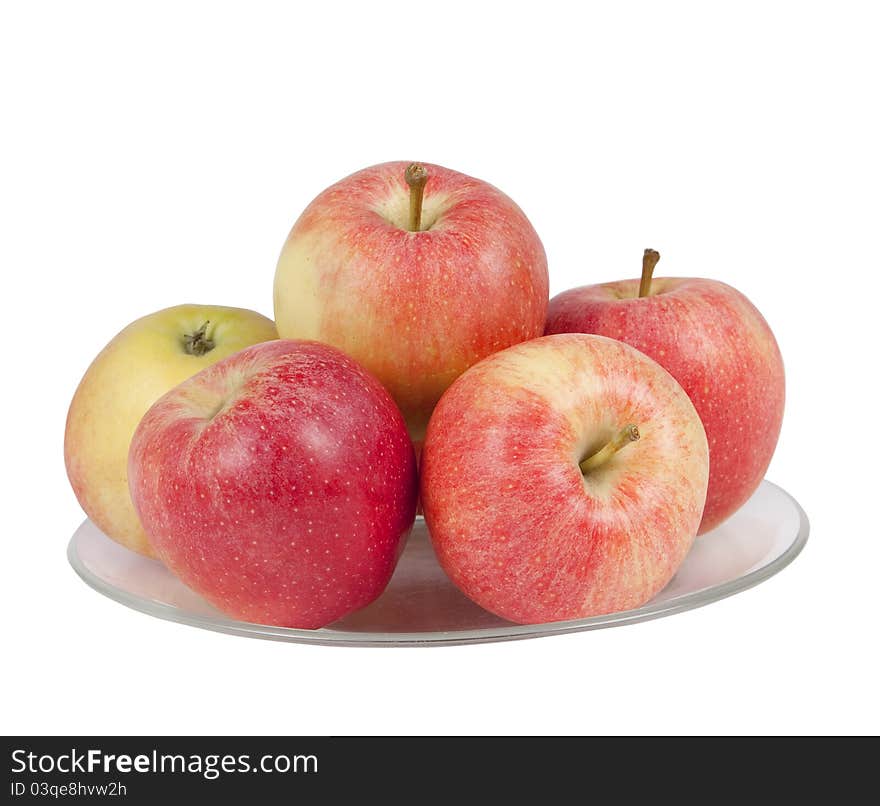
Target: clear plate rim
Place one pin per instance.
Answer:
(513, 632)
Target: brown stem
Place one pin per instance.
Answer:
(416, 177)
(198, 343)
(627, 434)
(649, 261)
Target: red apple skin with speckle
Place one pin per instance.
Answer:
(516, 524)
(415, 308)
(718, 347)
(280, 484)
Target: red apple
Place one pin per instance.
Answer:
(417, 273)
(717, 346)
(563, 478)
(279, 483)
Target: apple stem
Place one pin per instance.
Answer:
(416, 177)
(198, 343)
(649, 261)
(627, 434)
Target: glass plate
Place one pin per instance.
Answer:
(421, 606)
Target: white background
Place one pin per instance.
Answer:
(157, 153)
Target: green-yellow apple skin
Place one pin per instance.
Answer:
(144, 361)
(415, 308)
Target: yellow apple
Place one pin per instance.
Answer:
(144, 361)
